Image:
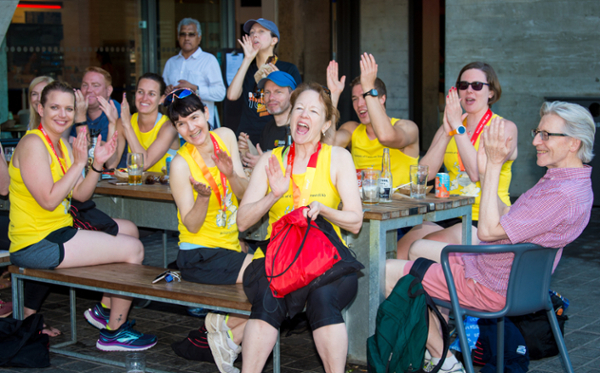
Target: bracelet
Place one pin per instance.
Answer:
(460, 130)
(92, 167)
(80, 124)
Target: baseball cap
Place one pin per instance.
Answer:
(280, 78)
(264, 23)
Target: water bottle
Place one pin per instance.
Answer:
(385, 181)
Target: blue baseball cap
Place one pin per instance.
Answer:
(264, 23)
(280, 78)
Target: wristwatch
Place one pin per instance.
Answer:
(460, 130)
(372, 92)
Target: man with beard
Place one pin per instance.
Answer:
(278, 87)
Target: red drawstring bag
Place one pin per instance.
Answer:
(298, 252)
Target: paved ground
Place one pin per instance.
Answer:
(577, 277)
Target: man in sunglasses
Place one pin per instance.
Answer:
(376, 130)
(194, 69)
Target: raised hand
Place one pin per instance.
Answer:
(278, 182)
(334, 83)
(223, 162)
(497, 145)
(80, 147)
(203, 190)
(102, 152)
(125, 112)
(250, 50)
(368, 71)
(109, 109)
(81, 106)
(453, 110)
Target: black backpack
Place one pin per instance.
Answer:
(402, 325)
(22, 343)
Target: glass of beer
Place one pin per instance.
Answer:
(135, 168)
(370, 186)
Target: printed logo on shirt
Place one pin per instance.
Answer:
(256, 101)
(279, 143)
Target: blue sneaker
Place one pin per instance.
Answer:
(125, 339)
(98, 316)
(197, 311)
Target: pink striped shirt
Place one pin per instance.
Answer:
(552, 214)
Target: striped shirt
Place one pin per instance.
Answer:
(552, 214)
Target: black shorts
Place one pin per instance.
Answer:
(210, 266)
(450, 222)
(323, 307)
(46, 254)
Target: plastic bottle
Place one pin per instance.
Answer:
(385, 181)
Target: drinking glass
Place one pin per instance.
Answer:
(418, 181)
(370, 186)
(135, 362)
(135, 168)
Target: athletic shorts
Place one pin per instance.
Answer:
(213, 266)
(470, 293)
(324, 305)
(450, 222)
(46, 254)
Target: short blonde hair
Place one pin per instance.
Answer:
(34, 117)
(101, 71)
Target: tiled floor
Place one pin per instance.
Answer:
(577, 277)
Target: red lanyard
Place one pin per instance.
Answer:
(52, 147)
(208, 176)
(486, 117)
(301, 195)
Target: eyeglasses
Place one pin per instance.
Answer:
(188, 34)
(477, 86)
(545, 135)
(179, 93)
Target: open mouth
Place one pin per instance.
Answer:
(302, 129)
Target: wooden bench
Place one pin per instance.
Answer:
(135, 281)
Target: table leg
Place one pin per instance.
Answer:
(18, 297)
(467, 226)
(165, 261)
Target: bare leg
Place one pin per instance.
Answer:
(127, 227)
(414, 234)
(453, 235)
(394, 269)
(427, 249)
(259, 340)
(247, 261)
(332, 345)
(237, 324)
(435, 342)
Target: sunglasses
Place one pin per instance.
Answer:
(327, 91)
(188, 34)
(179, 93)
(545, 135)
(477, 86)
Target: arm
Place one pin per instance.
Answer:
(231, 166)
(350, 217)
(4, 176)
(341, 137)
(212, 88)
(193, 213)
(114, 126)
(336, 87)
(235, 89)
(84, 189)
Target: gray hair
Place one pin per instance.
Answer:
(579, 125)
(189, 21)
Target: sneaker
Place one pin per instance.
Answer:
(428, 365)
(456, 368)
(6, 309)
(214, 322)
(98, 316)
(197, 311)
(125, 339)
(223, 354)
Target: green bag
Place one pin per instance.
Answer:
(402, 325)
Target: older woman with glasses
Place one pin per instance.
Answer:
(551, 214)
(455, 145)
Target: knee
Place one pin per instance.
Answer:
(127, 227)
(136, 251)
(414, 247)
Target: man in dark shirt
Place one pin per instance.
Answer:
(277, 87)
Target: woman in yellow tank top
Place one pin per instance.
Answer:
(270, 191)
(148, 131)
(45, 174)
(456, 144)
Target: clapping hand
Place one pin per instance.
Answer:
(109, 109)
(250, 160)
(278, 182)
(125, 112)
(497, 145)
(81, 106)
(103, 151)
(80, 147)
(223, 162)
(453, 109)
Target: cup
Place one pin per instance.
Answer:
(135, 362)
(370, 186)
(135, 168)
(418, 181)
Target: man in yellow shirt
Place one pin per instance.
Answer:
(376, 130)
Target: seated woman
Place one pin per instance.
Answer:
(270, 191)
(45, 173)
(148, 131)
(552, 214)
(455, 145)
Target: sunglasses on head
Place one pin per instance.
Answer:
(179, 93)
(477, 86)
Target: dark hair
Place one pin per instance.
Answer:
(379, 86)
(490, 74)
(157, 78)
(56, 86)
(183, 107)
(331, 112)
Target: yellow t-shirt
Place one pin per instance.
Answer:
(368, 153)
(322, 190)
(30, 222)
(210, 234)
(461, 184)
(147, 138)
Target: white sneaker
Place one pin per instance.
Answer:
(428, 365)
(223, 354)
(214, 322)
(456, 368)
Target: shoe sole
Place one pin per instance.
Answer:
(216, 352)
(113, 347)
(208, 322)
(95, 323)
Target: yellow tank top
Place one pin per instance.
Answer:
(147, 138)
(368, 153)
(322, 190)
(211, 235)
(460, 184)
(30, 222)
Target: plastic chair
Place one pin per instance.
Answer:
(527, 292)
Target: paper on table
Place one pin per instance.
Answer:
(234, 61)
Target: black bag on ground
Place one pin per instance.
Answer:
(22, 343)
(87, 216)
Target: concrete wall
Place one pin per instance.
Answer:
(384, 33)
(538, 49)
